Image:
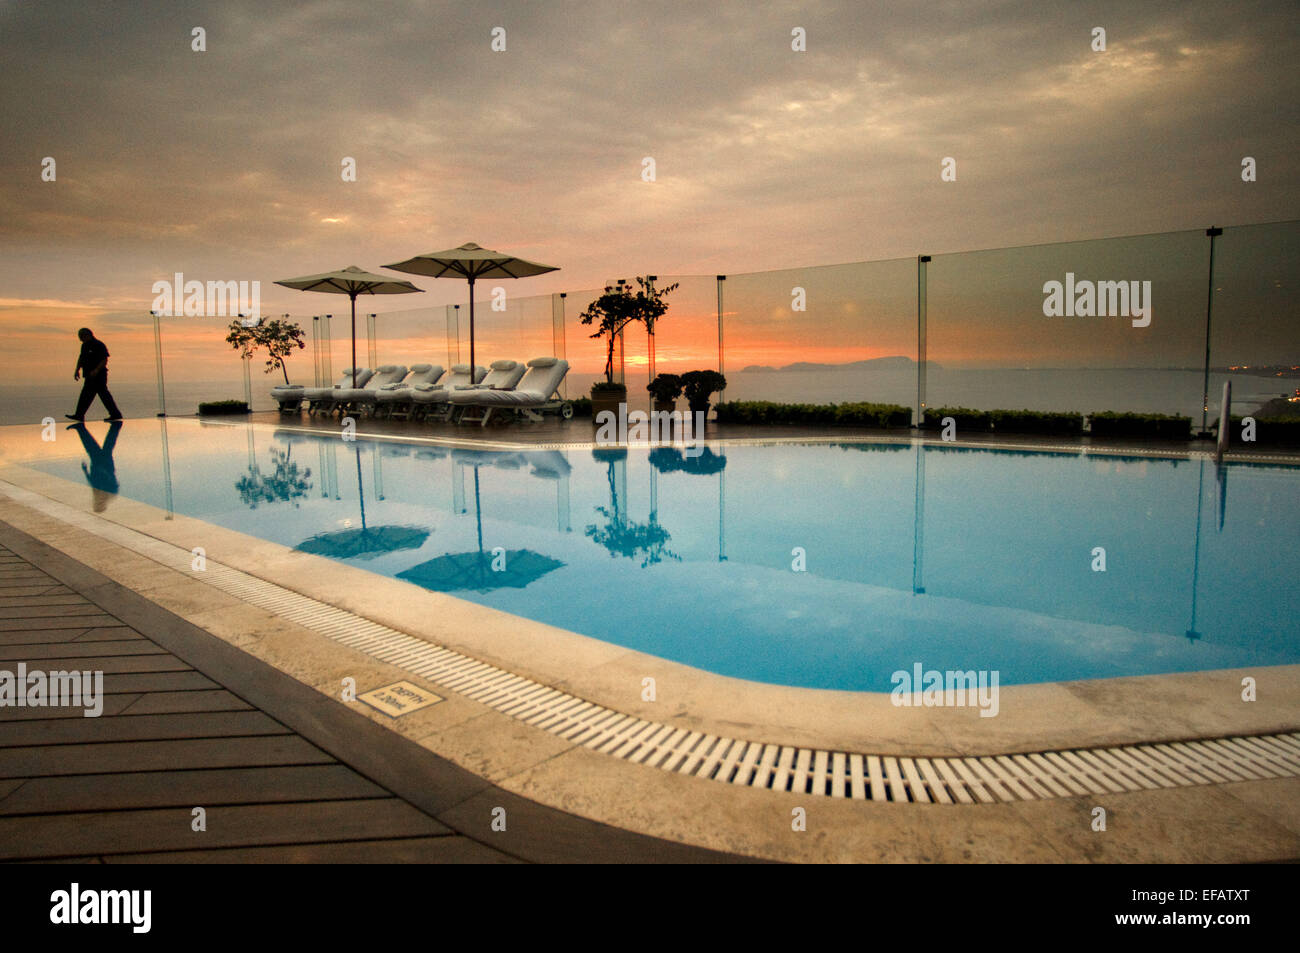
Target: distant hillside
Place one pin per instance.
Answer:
(875, 363)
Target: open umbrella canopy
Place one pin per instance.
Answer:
(364, 542)
(473, 570)
(351, 281)
(471, 262)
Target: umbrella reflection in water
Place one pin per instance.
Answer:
(365, 542)
(498, 568)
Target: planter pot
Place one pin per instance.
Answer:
(665, 406)
(606, 400)
(701, 406)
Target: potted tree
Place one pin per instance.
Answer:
(278, 337)
(611, 313)
(700, 386)
(665, 389)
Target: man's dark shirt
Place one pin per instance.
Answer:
(93, 353)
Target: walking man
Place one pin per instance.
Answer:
(93, 363)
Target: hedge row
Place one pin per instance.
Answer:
(1110, 424)
(1103, 423)
(883, 416)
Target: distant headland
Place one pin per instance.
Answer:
(875, 363)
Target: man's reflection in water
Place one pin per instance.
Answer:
(101, 472)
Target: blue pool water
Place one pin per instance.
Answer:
(953, 558)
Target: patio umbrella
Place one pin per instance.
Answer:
(365, 542)
(473, 570)
(351, 281)
(470, 261)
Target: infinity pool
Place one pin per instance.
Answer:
(819, 565)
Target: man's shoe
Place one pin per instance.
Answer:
(76, 418)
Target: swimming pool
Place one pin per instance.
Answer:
(819, 565)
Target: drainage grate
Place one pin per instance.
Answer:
(984, 780)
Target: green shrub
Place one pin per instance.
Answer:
(223, 407)
(880, 416)
(967, 420)
(581, 406)
(1166, 426)
(1033, 421)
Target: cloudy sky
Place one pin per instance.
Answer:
(226, 164)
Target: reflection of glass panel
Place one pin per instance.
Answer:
(1255, 326)
(991, 346)
(817, 335)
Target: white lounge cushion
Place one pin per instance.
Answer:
(388, 374)
(345, 380)
(541, 381)
(437, 394)
(421, 374)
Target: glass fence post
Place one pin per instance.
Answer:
(921, 279)
(373, 348)
(327, 362)
(315, 349)
(1212, 233)
(158, 364)
(721, 279)
(650, 336)
(558, 344)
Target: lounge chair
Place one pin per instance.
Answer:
(362, 399)
(323, 398)
(502, 375)
(429, 399)
(394, 400)
(536, 394)
(288, 397)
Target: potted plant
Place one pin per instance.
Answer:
(699, 386)
(611, 313)
(665, 389)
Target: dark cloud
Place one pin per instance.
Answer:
(226, 163)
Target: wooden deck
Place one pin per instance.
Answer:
(284, 774)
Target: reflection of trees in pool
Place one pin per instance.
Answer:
(621, 536)
(670, 460)
(286, 481)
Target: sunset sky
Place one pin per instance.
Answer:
(225, 165)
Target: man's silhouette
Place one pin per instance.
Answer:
(93, 363)
(101, 474)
